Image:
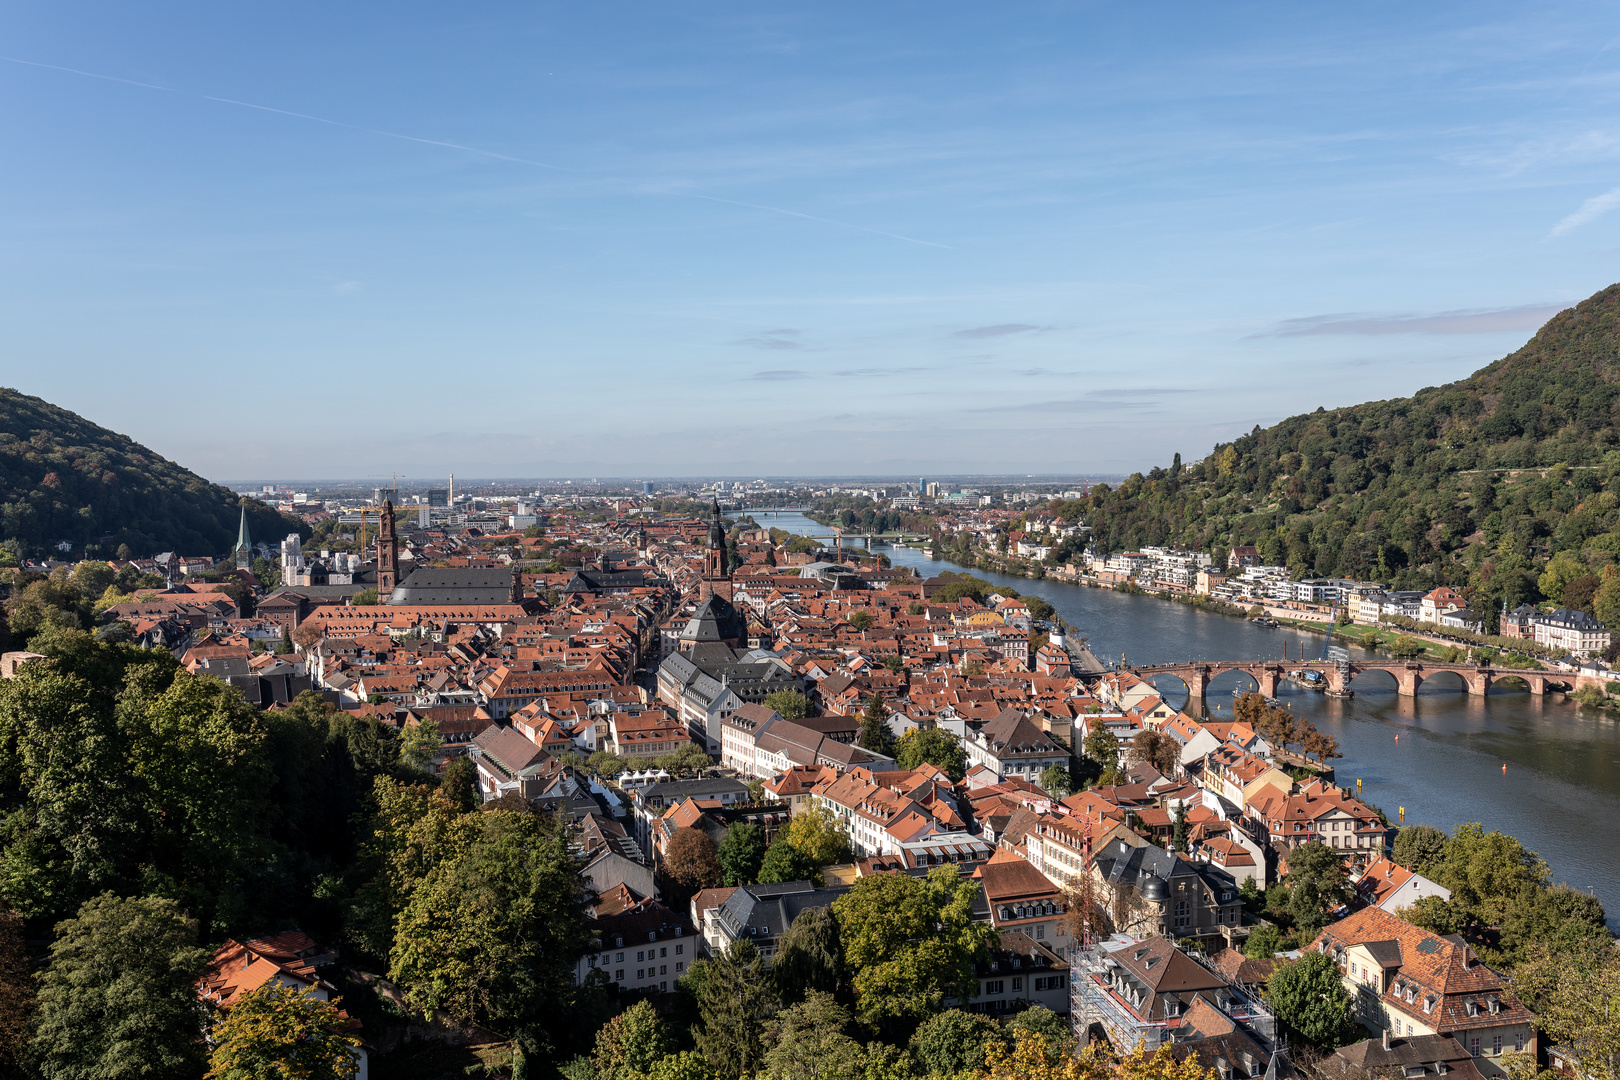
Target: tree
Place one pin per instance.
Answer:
(1179, 839)
(1562, 568)
(16, 991)
(690, 758)
(278, 1032)
(1316, 885)
(810, 957)
(307, 635)
(493, 929)
(628, 1045)
(819, 835)
(1310, 1000)
(1042, 1021)
(1157, 749)
(911, 942)
(1421, 848)
(742, 850)
(690, 860)
(972, 669)
(119, 998)
(788, 704)
(954, 1041)
(1056, 783)
(459, 781)
(875, 735)
(1485, 871)
(810, 1043)
(784, 862)
(735, 998)
(1265, 941)
(365, 597)
(1563, 988)
(1102, 747)
(419, 745)
(861, 619)
(682, 1066)
(936, 746)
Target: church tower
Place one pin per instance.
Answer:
(244, 544)
(387, 552)
(716, 561)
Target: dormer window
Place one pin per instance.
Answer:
(1471, 1007)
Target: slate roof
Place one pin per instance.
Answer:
(762, 913)
(456, 585)
(716, 620)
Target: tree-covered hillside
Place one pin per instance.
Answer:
(64, 478)
(1479, 482)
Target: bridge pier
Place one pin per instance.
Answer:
(1407, 680)
(1267, 677)
(1479, 683)
(1197, 681)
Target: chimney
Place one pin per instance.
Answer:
(1386, 1036)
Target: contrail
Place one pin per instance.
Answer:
(456, 146)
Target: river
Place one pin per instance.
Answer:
(1439, 754)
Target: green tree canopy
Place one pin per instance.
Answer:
(628, 1045)
(809, 1041)
(936, 746)
(954, 1042)
(785, 862)
(277, 1031)
(1316, 885)
(1055, 782)
(810, 957)
(735, 999)
(119, 997)
(1310, 1000)
(911, 942)
(492, 931)
(742, 850)
(789, 704)
(1421, 848)
(875, 735)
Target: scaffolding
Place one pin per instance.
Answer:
(1122, 1013)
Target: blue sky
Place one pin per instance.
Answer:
(674, 238)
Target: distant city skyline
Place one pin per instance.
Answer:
(841, 240)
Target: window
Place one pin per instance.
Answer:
(1473, 1047)
(640, 956)
(678, 967)
(663, 969)
(664, 951)
(663, 986)
(994, 986)
(1496, 1045)
(679, 949)
(619, 975)
(1040, 932)
(1018, 984)
(1518, 1040)
(618, 958)
(640, 973)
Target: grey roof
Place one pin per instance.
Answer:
(1121, 864)
(602, 580)
(1387, 953)
(461, 585)
(764, 912)
(716, 620)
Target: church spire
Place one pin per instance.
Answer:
(244, 543)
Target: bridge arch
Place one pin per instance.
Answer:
(1376, 679)
(1445, 681)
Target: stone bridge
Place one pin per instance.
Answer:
(1408, 674)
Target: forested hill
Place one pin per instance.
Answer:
(1477, 482)
(64, 478)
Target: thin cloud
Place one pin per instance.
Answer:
(1590, 210)
(879, 372)
(780, 375)
(1125, 397)
(1467, 321)
(774, 339)
(998, 330)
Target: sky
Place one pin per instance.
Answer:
(719, 239)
